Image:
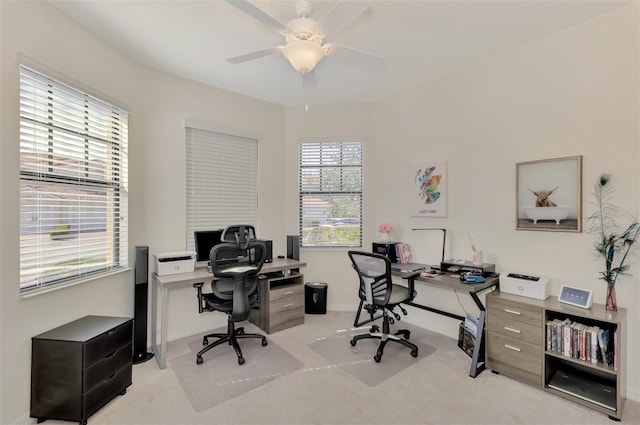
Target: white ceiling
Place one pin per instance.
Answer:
(420, 40)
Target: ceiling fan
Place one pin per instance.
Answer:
(304, 37)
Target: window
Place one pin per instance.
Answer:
(73, 184)
(330, 194)
(222, 180)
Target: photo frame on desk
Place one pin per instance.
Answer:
(549, 195)
(429, 189)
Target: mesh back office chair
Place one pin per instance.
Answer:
(236, 264)
(378, 292)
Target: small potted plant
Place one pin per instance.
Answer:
(612, 243)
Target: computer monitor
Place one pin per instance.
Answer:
(204, 241)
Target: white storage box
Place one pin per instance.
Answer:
(527, 286)
(174, 262)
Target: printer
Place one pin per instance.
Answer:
(174, 262)
(525, 285)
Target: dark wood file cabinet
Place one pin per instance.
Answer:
(79, 367)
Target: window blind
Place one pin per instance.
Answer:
(73, 184)
(222, 181)
(330, 194)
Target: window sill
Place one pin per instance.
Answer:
(44, 290)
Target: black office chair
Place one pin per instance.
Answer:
(377, 292)
(236, 265)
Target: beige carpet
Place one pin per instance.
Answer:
(435, 390)
(221, 378)
(358, 361)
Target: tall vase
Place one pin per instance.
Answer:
(611, 303)
(385, 236)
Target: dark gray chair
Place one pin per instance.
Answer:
(236, 264)
(377, 292)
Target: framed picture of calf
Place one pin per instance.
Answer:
(549, 195)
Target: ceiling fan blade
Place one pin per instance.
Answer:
(341, 14)
(258, 14)
(366, 61)
(254, 55)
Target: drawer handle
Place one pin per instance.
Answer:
(512, 330)
(110, 355)
(512, 311)
(287, 305)
(288, 293)
(110, 332)
(511, 347)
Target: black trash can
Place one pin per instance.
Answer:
(315, 298)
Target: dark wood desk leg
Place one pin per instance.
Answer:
(478, 347)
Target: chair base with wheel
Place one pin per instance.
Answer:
(230, 337)
(400, 336)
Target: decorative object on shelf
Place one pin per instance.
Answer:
(385, 230)
(612, 244)
(478, 253)
(549, 195)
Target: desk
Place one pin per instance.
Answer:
(161, 285)
(473, 289)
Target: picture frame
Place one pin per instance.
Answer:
(549, 195)
(429, 189)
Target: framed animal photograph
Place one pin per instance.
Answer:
(549, 195)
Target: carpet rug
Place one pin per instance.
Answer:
(358, 361)
(221, 378)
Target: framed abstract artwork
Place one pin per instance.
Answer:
(549, 195)
(429, 190)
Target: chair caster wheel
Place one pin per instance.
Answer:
(199, 360)
(265, 342)
(353, 342)
(205, 341)
(407, 334)
(240, 361)
(377, 358)
(374, 329)
(240, 331)
(414, 353)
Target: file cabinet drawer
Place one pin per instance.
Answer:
(517, 359)
(104, 344)
(514, 329)
(520, 312)
(100, 370)
(287, 294)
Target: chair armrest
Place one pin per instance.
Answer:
(198, 287)
(410, 277)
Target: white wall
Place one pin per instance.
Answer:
(159, 105)
(572, 93)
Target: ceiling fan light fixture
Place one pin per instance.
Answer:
(303, 55)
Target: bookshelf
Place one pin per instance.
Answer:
(544, 343)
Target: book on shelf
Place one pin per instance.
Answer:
(606, 352)
(582, 342)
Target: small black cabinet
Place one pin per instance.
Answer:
(79, 367)
(386, 248)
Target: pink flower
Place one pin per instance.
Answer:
(385, 228)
